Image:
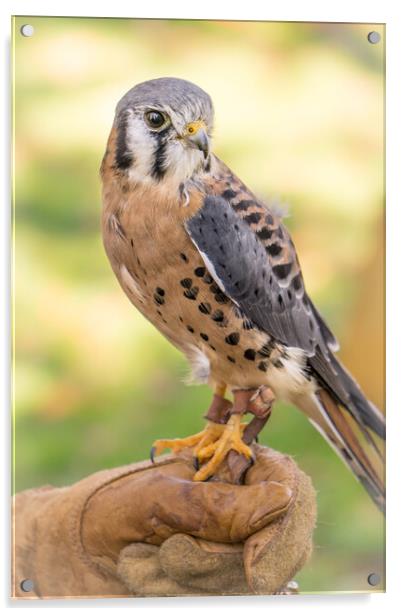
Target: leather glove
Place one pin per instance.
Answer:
(149, 530)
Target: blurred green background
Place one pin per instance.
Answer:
(299, 117)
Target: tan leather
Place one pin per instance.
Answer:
(144, 530)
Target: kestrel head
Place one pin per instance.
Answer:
(163, 130)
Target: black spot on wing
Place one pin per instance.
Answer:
(229, 194)
(274, 250)
(253, 218)
(283, 270)
(265, 233)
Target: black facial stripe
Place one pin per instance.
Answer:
(158, 167)
(123, 158)
(161, 140)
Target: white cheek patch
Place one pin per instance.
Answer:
(142, 147)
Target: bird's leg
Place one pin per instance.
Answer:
(260, 404)
(216, 416)
(237, 436)
(231, 437)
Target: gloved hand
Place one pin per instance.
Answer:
(149, 529)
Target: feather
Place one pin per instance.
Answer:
(329, 419)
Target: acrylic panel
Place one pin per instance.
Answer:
(299, 118)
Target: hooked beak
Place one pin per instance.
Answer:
(197, 136)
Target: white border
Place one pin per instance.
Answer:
(378, 11)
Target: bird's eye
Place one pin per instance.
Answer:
(155, 119)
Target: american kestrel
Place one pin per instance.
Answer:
(216, 271)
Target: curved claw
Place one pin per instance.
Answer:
(196, 463)
(152, 455)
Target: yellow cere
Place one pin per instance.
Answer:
(194, 127)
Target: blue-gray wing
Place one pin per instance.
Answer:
(263, 281)
(251, 256)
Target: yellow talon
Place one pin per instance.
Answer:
(231, 438)
(207, 451)
(211, 433)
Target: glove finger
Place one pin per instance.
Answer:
(139, 568)
(273, 555)
(212, 567)
(216, 511)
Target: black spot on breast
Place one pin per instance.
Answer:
(132, 243)
(229, 194)
(233, 338)
(184, 257)
(215, 288)
(279, 232)
(266, 350)
(204, 336)
(191, 293)
(199, 271)
(231, 359)
(277, 363)
(264, 233)
(282, 270)
(212, 347)
(160, 291)
(186, 283)
(280, 300)
(208, 278)
(181, 319)
(158, 299)
(221, 298)
(274, 250)
(253, 218)
(262, 366)
(218, 316)
(190, 329)
(205, 308)
(249, 354)
(269, 220)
